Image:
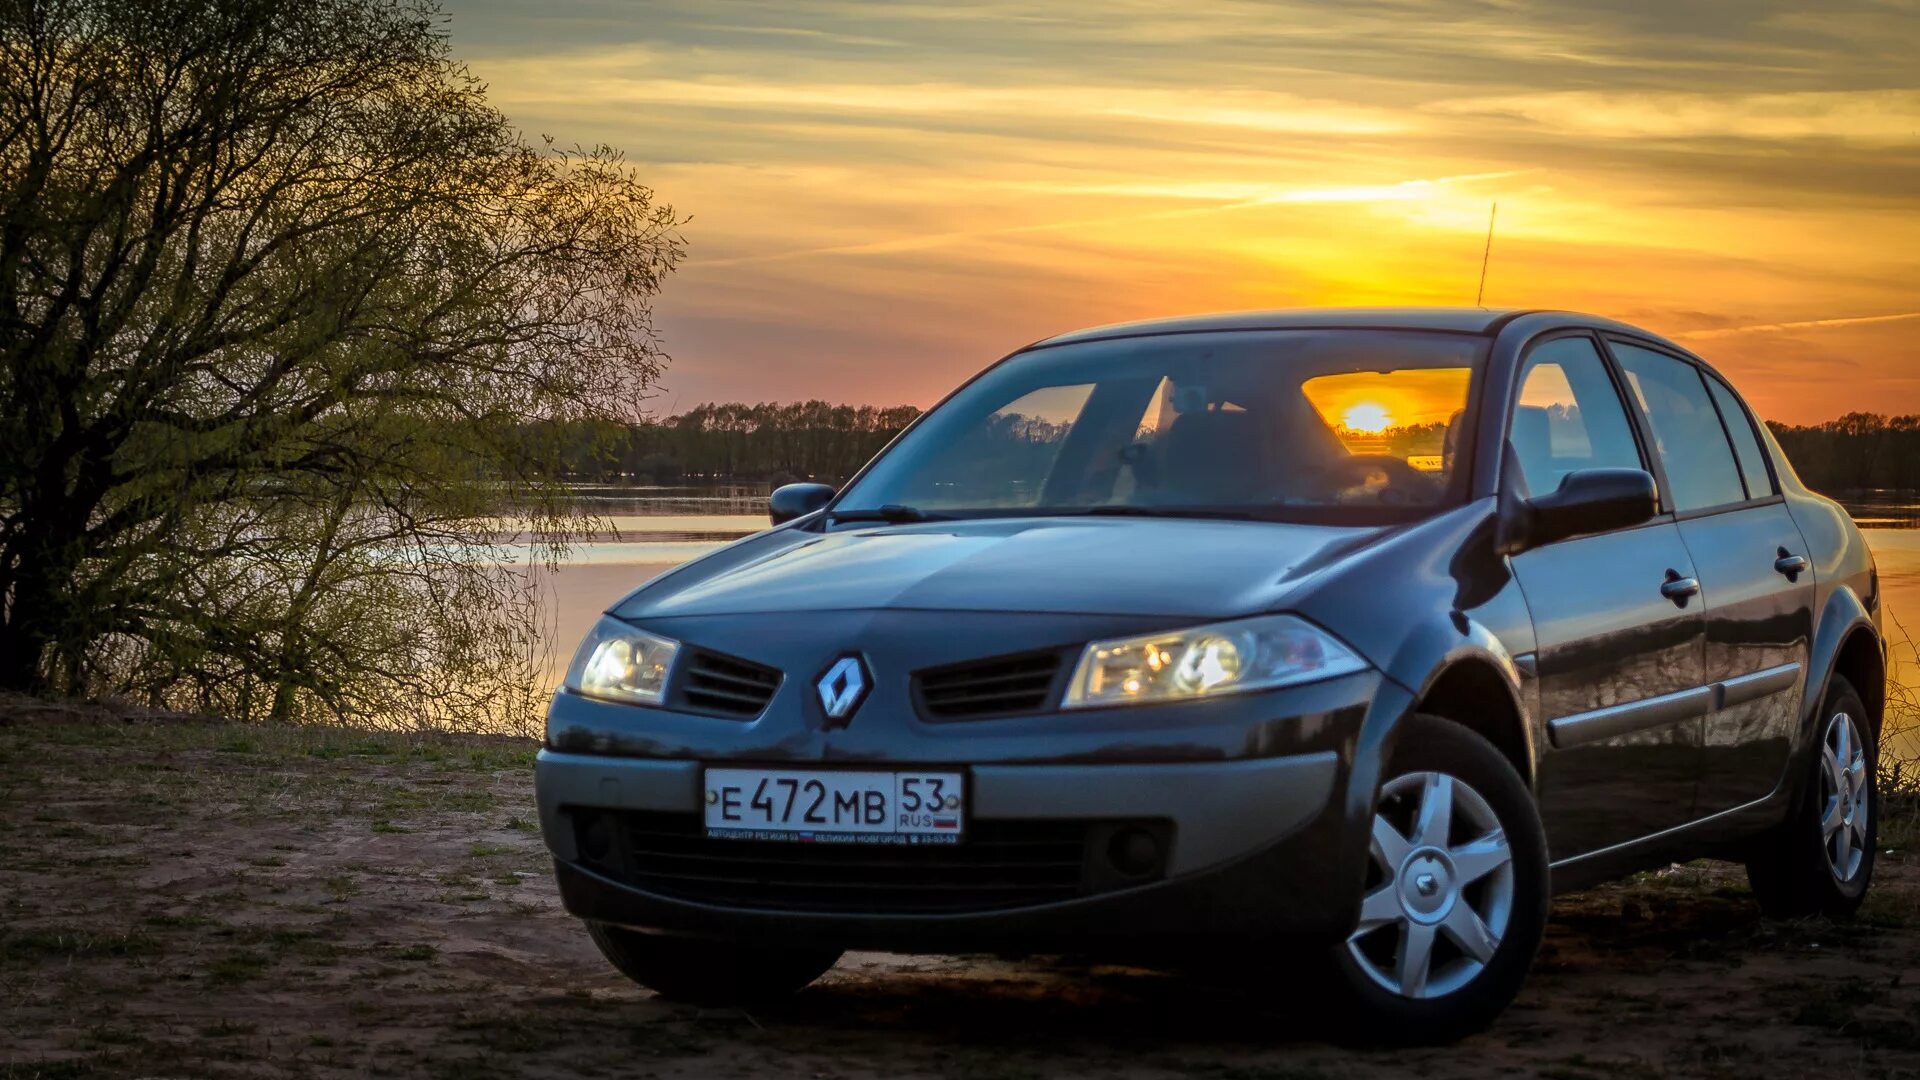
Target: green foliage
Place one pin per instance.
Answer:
(281, 301)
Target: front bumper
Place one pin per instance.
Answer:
(1263, 835)
(1253, 847)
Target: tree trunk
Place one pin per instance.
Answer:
(26, 635)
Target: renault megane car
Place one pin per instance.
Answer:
(1348, 636)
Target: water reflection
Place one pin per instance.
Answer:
(1884, 509)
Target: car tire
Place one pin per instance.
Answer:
(702, 971)
(1423, 875)
(1819, 861)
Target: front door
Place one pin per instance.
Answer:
(1616, 620)
(1754, 574)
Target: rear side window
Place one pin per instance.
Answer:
(1568, 416)
(1687, 432)
(1746, 443)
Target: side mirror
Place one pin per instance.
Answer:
(1588, 501)
(797, 500)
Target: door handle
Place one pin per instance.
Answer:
(1790, 564)
(1679, 589)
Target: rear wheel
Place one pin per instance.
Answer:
(1456, 895)
(1820, 860)
(700, 971)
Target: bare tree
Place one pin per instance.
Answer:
(284, 310)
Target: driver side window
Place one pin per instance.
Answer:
(1568, 416)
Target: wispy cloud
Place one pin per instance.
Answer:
(1805, 324)
(1879, 117)
(1254, 198)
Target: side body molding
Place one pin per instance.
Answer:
(1753, 687)
(1625, 719)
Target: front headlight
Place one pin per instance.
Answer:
(622, 663)
(1222, 658)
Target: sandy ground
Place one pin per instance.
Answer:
(196, 899)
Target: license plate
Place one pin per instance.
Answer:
(828, 806)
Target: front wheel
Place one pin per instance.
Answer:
(1457, 891)
(1820, 860)
(699, 971)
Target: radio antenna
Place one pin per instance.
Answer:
(1486, 254)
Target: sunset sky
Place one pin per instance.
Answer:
(883, 198)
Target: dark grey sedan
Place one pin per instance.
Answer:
(1348, 636)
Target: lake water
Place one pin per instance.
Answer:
(657, 529)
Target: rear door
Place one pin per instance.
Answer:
(1755, 579)
(1618, 634)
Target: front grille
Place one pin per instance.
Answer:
(982, 689)
(1000, 864)
(720, 685)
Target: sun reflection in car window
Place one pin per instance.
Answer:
(1401, 414)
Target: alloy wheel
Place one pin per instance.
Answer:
(1440, 894)
(1845, 797)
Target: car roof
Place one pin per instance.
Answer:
(1451, 320)
(1459, 320)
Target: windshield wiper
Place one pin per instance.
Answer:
(891, 513)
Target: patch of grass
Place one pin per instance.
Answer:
(1890, 909)
(488, 851)
(421, 952)
(341, 887)
(1854, 1010)
(455, 797)
(511, 1034)
(663, 1040)
(237, 744)
(382, 825)
(227, 1029)
(1899, 828)
(292, 942)
(237, 966)
(1832, 1005)
(66, 943)
(520, 824)
(105, 1036)
(167, 921)
(69, 1069)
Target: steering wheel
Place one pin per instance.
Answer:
(1400, 475)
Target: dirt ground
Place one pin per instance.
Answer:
(186, 899)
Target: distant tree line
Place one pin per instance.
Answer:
(1858, 450)
(809, 440)
(816, 440)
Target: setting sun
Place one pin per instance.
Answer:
(1367, 417)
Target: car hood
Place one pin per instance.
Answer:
(1089, 565)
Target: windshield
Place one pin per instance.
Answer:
(1308, 424)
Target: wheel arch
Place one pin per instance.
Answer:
(1860, 662)
(1475, 690)
(1847, 643)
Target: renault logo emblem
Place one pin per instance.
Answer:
(842, 688)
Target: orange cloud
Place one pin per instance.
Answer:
(883, 198)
